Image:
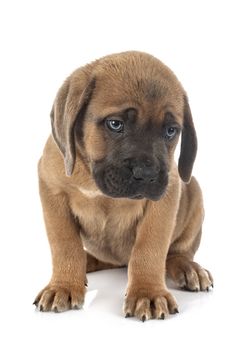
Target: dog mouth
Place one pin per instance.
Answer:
(148, 196)
(120, 183)
(138, 196)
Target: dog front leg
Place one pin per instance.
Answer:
(66, 288)
(147, 295)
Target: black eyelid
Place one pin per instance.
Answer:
(113, 117)
(174, 126)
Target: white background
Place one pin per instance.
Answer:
(204, 42)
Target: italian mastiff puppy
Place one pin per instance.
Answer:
(111, 192)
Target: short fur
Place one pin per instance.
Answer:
(114, 199)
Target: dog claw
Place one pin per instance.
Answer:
(176, 311)
(41, 308)
(162, 316)
(143, 318)
(76, 307)
(127, 315)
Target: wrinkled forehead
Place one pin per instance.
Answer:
(150, 93)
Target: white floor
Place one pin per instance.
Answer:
(206, 320)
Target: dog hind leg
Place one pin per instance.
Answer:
(180, 266)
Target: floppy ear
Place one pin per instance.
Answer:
(71, 101)
(188, 145)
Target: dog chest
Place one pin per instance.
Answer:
(108, 228)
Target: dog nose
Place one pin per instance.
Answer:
(145, 169)
(143, 173)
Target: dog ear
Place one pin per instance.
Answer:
(188, 145)
(71, 101)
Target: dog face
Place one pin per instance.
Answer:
(136, 162)
(124, 114)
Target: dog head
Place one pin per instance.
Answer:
(123, 114)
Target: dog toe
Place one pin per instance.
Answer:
(205, 281)
(149, 306)
(189, 275)
(58, 299)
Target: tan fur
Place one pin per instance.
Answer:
(150, 237)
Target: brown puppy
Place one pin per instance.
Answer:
(111, 192)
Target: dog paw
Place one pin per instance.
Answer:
(59, 298)
(145, 306)
(188, 275)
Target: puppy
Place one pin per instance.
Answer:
(111, 192)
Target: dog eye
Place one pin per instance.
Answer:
(115, 125)
(170, 132)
